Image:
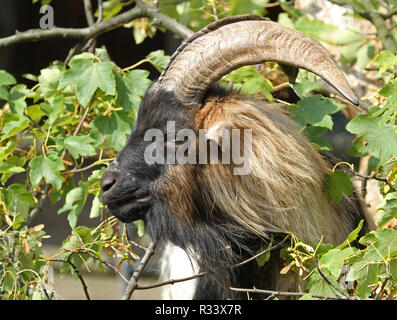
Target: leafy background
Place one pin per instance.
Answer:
(61, 127)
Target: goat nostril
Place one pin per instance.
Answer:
(108, 180)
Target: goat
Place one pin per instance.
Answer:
(214, 217)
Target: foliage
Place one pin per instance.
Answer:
(49, 132)
(77, 115)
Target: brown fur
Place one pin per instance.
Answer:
(283, 192)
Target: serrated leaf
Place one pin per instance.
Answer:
(333, 260)
(381, 139)
(130, 89)
(337, 184)
(48, 168)
(315, 110)
(114, 128)
(79, 146)
(87, 76)
(252, 81)
(318, 286)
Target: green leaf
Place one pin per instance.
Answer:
(315, 110)
(383, 242)
(303, 89)
(251, 80)
(385, 59)
(18, 199)
(314, 28)
(140, 224)
(87, 76)
(6, 79)
(7, 150)
(364, 289)
(14, 124)
(158, 59)
(96, 207)
(110, 9)
(139, 35)
(261, 260)
(352, 236)
(316, 285)
(381, 139)
(345, 37)
(47, 168)
(74, 203)
(17, 97)
(35, 112)
(130, 89)
(337, 184)
(333, 260)
(364, 55)
(388, 210)
(49, 80)
(114, 128)
(11, 166)
(79, 146)
(247, 6)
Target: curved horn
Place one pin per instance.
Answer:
(234, 42)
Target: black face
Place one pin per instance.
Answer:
(129, 183)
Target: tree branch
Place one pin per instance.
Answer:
(286, 293)
(160, 19)
(83, 34)
(172, 281)
(88, 12)
(366, 10)
(133, 283)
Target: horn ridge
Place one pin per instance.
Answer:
(208, 28)
(233, 42)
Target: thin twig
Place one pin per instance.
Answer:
(107, 264)
(133, 283)
(262, 252)
(78, 273)
(88, 12)
(170, 281)
(286, 293)
(387, 278)
(92, 165)
(374, 176)
(198, 275)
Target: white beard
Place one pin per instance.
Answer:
(176, 264)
